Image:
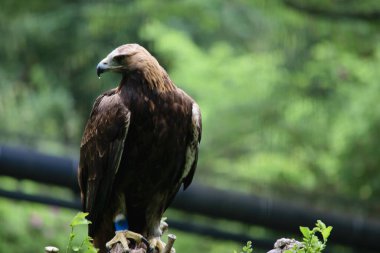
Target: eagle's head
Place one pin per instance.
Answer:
(129, 59)
(125, 58)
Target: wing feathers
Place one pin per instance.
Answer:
(101, 151)
(193, 146)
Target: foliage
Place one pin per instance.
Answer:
(288, 89)
(311, 241)
(247, 248)
(29, 227)
(85, 245)
(295, 94)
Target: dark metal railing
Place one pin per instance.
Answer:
(352, 231)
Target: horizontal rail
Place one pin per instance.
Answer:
(189, 227)
(23, 163)
(354, 231)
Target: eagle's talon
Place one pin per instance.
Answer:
(150, 250)
(157, 244)
(124, 237)
(145, 241)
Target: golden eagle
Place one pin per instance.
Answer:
(139, 146)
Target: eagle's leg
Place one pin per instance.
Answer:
(123, 235)
(163, 225)
(160, 246)
(157, 243)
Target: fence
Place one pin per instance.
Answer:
(282, 216)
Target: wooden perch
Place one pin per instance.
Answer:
(283, 244)
(169, 246)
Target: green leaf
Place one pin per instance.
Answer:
(305, 232)
(80, 219)
(320, 224)
(90, 250)
(326, 233)
(87, 241)
(315, 230)
(89, 247)
(248, 247)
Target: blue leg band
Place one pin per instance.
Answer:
(121, 223)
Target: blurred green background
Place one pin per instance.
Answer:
(289, 92)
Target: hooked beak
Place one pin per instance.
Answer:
(108, 64)
(102, 67)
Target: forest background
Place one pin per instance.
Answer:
(289, 92)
